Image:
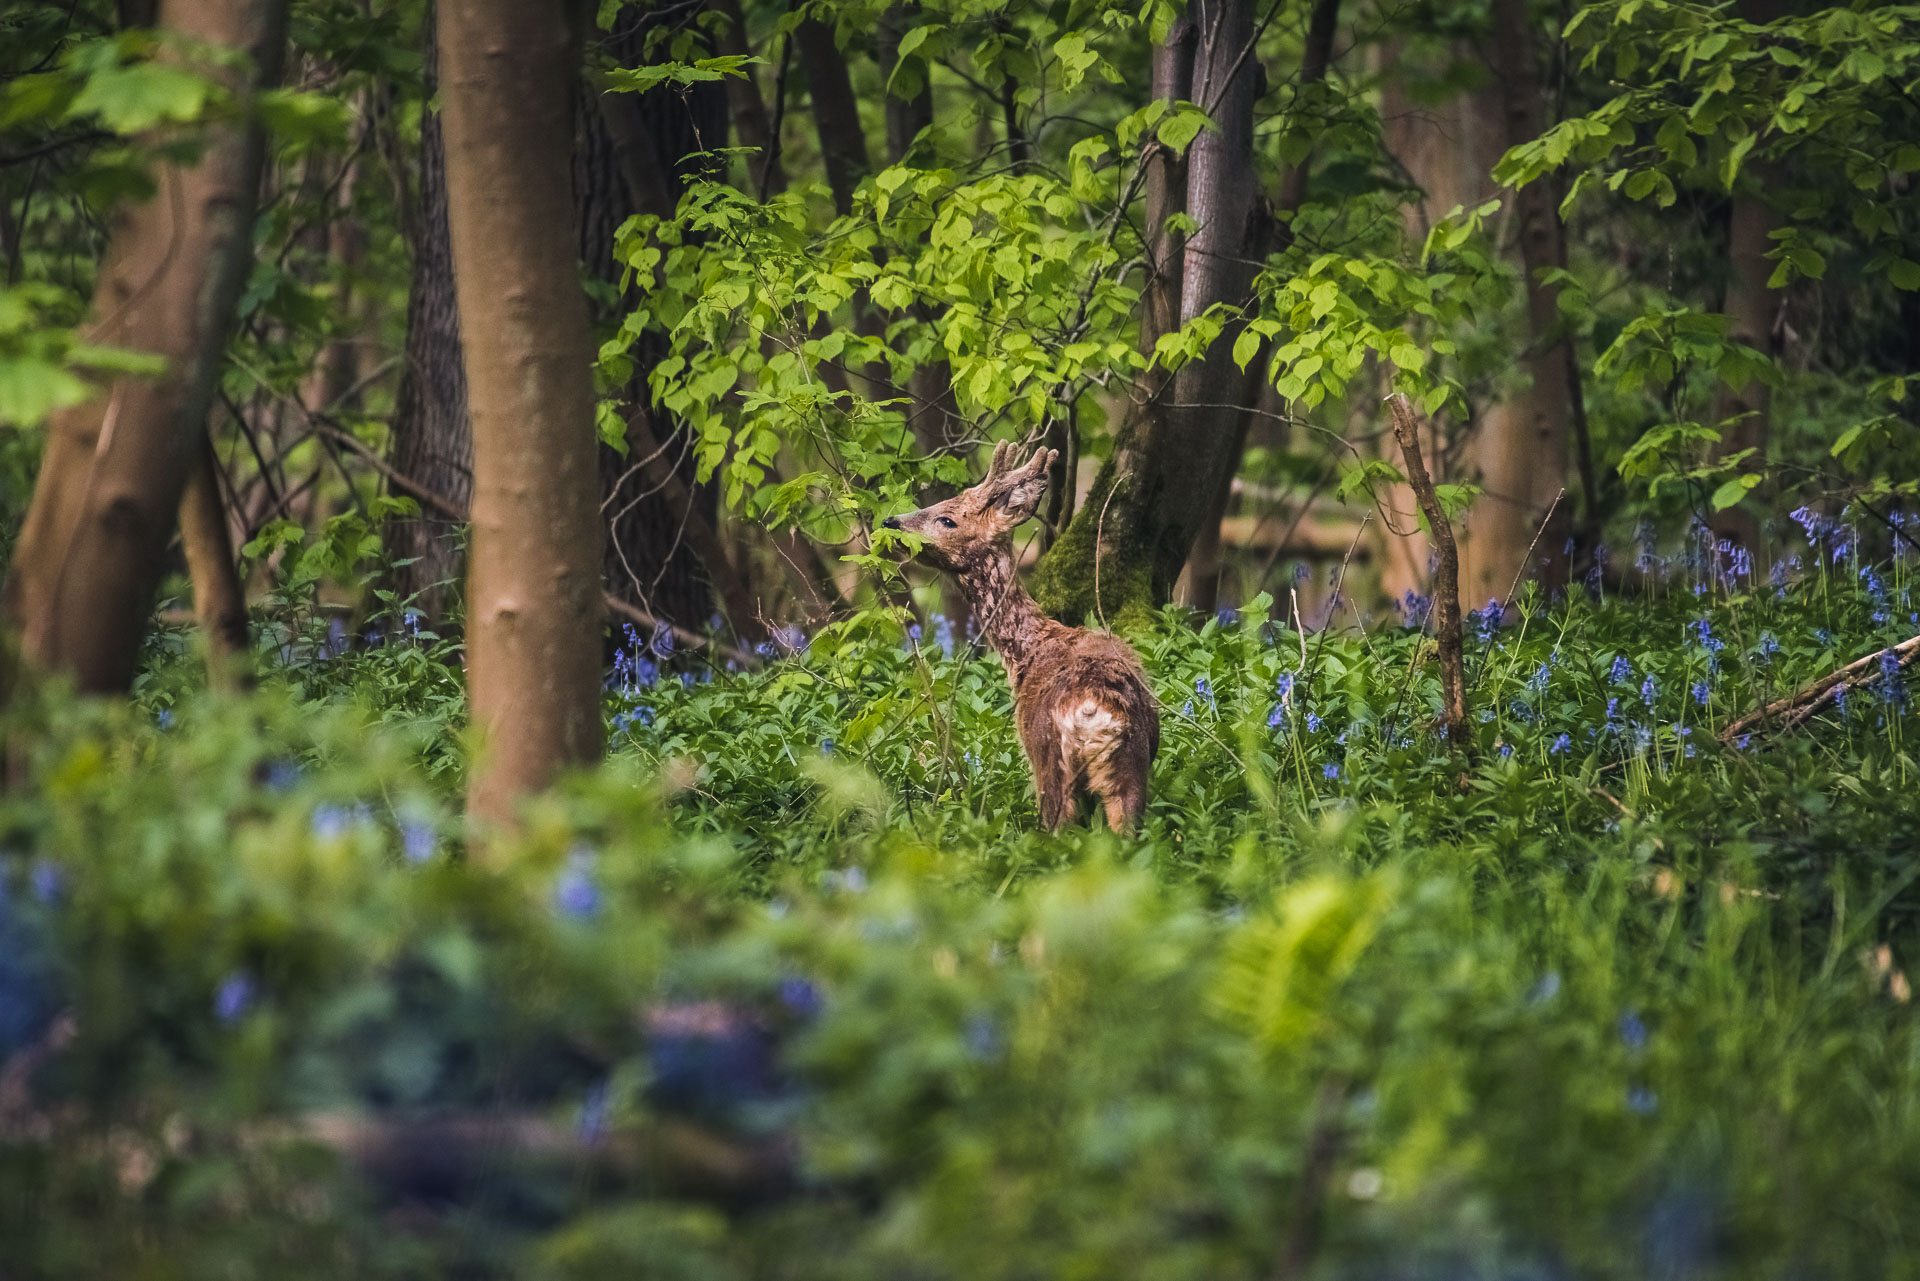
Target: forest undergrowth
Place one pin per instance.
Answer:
(791, 986)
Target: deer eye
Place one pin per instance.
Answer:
(947, 522)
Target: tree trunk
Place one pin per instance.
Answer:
(432, 443)
(1446, 575)
(751, 128)
(91, 555)
(843, 144)
(907, 114)
(1124, 550)
(1200, 582)
(1524, 467)
(630, 155)
(511, 71)
(1448, 149)
(219, 602)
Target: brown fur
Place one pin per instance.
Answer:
(1086, 716)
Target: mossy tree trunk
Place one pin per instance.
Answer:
(1125, 547)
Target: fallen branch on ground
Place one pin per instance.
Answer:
(1798, 708)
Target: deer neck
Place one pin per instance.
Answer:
(1011, 621)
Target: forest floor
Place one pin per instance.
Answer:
(791, 986)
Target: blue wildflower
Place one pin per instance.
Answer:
(593, 1114)
(1546, 989)
(1633, 1031)
(826, 747)
(943, 634)
(417, 840)
(1560, 744)
(800, 996)
(1701, 693)
(1613, 710)
(575, 894)
(233, 998)
(1313, 723)
(1285, 684)
(1642, 1101)
(1331, 771)
(1506, 750)
(663, 640)
(1647, 691)
(1622, 669)
(46, 880)
(164, 718)
(1277, 718)
(1811, 522)
(982, 1038)
(1205, 690)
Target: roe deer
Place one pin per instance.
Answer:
(1087, 719)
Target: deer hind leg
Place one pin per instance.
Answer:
(1124, 787)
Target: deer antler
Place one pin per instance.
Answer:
(1001, 451)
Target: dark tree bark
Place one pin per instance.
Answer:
(510, 84)
(630, 156)
(751, 127)
(1202, 575)
(1125, 548)
(907, 114)
(843, 144)
(432, 443)
(1526, 466)
(92, 551)
(219, 601)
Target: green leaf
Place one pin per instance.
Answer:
(132, 98)
(1733, 491)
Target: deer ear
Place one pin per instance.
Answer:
(1019, 496)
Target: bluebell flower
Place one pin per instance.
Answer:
(1285, 684)
(1506, 750)
(854, 879)
(1647, 691)
(1701, 693)
(281, 775)
(1313, 723)
(982, 1037)
(233, 998)
(1642, 1101)
(46, 880)
(1622, 669)
(593, 1114)
(1613, 710)
(417, 840)
(330, 822)
(336, 643)
(826, 747)
(800, 996)
(164, 718)
(1840, 699)
(1205, 690)
(943, 634)
(574, 893)
(1277, 718)
(1187, 711)
(1227, 615)
(764, 649)
(686, 680)
(1541, 676)
(792, 638)
(913, 634)
(1742, 741)
(663, 640)
(1331, 771)
(1633, 1031)
(1769, 646)
(1824, 636)
(1560, 744)
(411, 620)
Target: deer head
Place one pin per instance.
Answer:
(955, 530)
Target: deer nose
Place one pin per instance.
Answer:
(891, 522)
